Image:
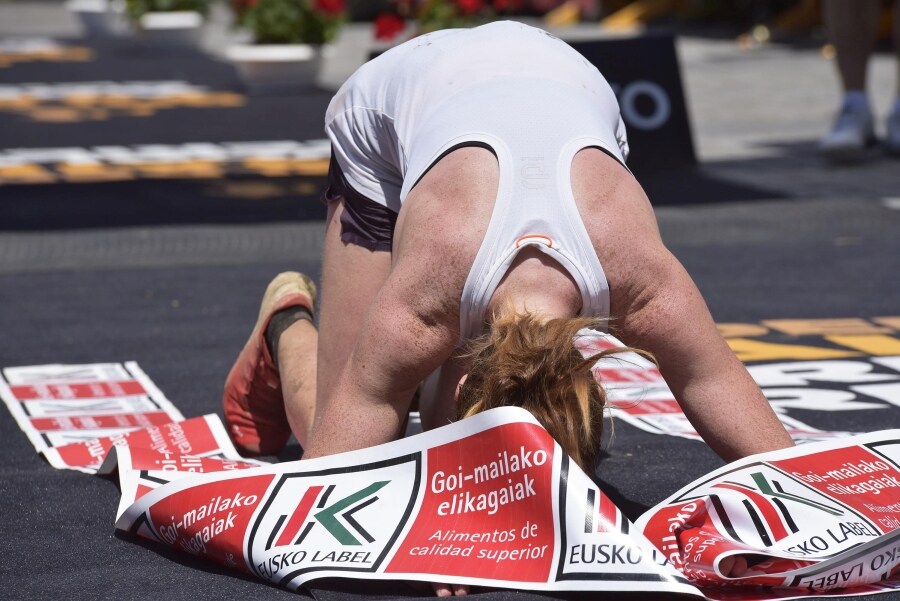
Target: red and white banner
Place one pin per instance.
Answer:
(74, 414)
(493, 501)
(142, 469)
(490, 501)
(59, 404)
(819, 517)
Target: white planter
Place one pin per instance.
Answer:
(277, 67)
(99, 18)
(177, 28)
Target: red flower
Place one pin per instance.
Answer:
(388, 26)
(332, 8)
(543, 6)
(504, 5)
(240, 6)
(469, 7)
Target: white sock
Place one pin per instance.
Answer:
(856, 100)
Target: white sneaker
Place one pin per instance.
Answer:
(892, 142)
(853, 131)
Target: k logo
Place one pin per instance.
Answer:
(301, 522)
(769, 506)
(339, 520)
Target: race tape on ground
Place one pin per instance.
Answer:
(73, 415)
(491, 501)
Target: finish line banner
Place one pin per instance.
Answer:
(493, 501)
(74, 414)
(489, 501)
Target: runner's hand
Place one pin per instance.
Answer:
(449, 590)
(733, 566)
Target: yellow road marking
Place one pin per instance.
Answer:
(118, 101)
(871, 345)
(94, 173)
(305, 188)
(57, 55)
(141, 111)
(825, 327)
(80, 100)
(56, 114)
(315, 167)
(890, 322)
(31, 173)
(285, 167)
(18, 104)
(26, 174)
(270, 167)
(84, 106)
(227, 99)
(187, 169)
(741, 330)
(755, 350)
(250, 190)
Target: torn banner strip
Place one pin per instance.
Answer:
(493, 501)
(824, 516)
(59, 404)
(73, 415)
(490, 501)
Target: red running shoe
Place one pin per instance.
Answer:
(253, 402)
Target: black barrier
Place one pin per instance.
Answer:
(643, 71)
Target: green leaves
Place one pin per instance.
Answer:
(291, 22)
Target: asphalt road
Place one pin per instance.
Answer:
(168, 271)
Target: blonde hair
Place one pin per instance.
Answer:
(530, 363)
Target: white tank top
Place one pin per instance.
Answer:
(529, 97)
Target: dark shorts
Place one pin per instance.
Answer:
(364, 222)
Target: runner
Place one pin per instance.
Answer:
(477, 185)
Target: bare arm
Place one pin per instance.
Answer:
(412, 326)
(670, 319)
(401, 342)
(657, 307)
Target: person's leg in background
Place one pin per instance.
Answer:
(852, 28)
(892, 141)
